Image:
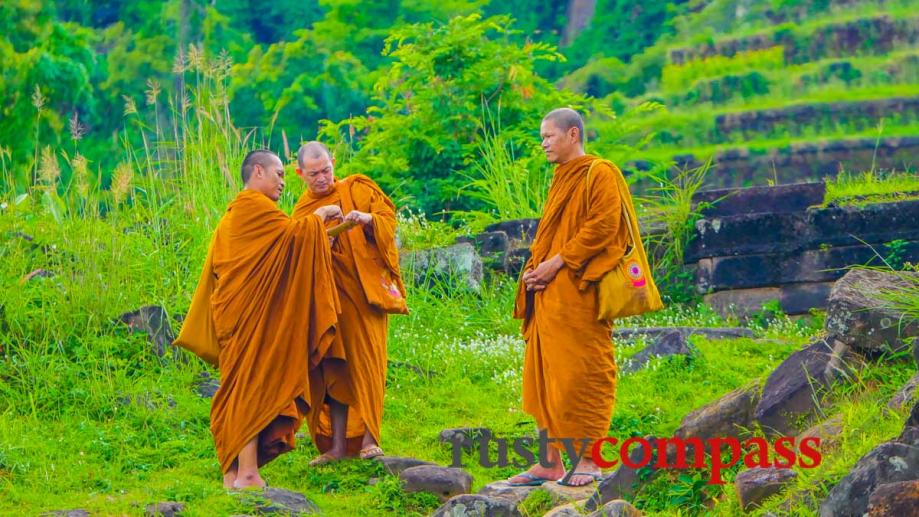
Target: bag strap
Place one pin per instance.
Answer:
(623, 200)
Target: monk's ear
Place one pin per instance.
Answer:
(574, 135)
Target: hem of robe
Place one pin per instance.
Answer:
(354, 439)
(274, 425)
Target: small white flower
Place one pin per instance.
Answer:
(3, 206)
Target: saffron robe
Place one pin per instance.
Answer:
(569, 373)
(369, 284)
(264, 312)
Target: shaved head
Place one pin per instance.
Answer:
(312, 151)
(565, 119)
(261, 157)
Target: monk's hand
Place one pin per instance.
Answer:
(329, 212)
(362, 218)
(537, 279)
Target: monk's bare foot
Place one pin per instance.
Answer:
(329, 456)
(229, 479)
(537, 475)
(586, 473)
(249, 480)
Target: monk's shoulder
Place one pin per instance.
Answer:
(363, 188)
(604, 175)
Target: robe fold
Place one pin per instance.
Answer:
(265, 313)
(369, 284)
(569, 373)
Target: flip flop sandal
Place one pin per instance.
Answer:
(534, 480)
(370, 452)
(596, 477)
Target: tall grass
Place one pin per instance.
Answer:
(513, 183)
(668, 211)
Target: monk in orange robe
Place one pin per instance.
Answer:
(365, 262)
(264, 312)
(569, 373)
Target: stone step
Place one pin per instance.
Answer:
(748, 271)
(753, 234)
(796, 197)
(793, 299)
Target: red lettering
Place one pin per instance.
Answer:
(717, 464)
(597, 454)
(761, 454)
(812, 453)
(787, 452)
(627, 458)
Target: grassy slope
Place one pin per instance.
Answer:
(689, 127)
(70, 439)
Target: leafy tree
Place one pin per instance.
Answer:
(45, 80)
(422, 131)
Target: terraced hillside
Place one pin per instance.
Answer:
(776, 91)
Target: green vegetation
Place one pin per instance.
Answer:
(121, 136)
(871, 187)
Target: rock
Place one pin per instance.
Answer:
(396, 464)
(757, 484)
(727, 416)
(776, 199)
(855, 317)
(79, 512)
(792, 298)
(617, 508)
(37, 273)
(895, 500)
(562, 494)
(889, 462)
(654, 333)
(477, 505)
(467, 436)
(279, 500)
(818, 265)
(792, 389)
(913, 419)
(205, 385)
(153, 321)
(427, 374)
(623, 482)
(491, 243)
(458, 266)
(167, 509)
(813, 229)
(566, 510)
(444, 482)
(521, 230)
(828, 431)
(514, 260)
(670, 344)
(904, 395)
(504, 490)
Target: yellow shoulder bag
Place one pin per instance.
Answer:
(628, 289)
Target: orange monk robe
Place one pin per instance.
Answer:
(264, 312)
(369, 283)
(569, 373)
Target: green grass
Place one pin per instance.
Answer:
(93, 419)
(688, 127)
(70, 438)
(848, 189)
(864, 426)
(766, 145)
